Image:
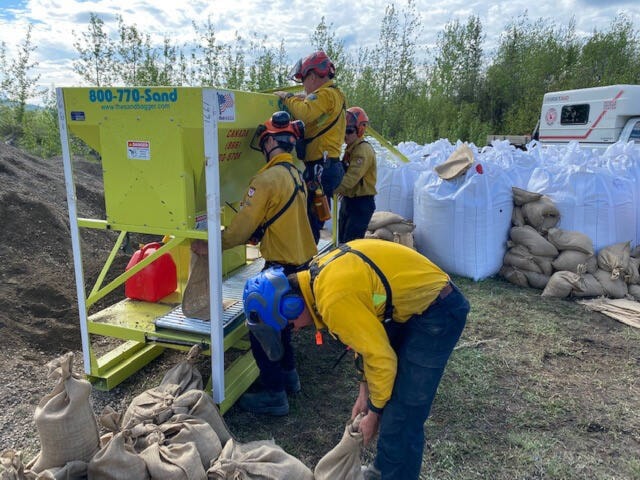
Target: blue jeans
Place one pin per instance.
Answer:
(427, 342)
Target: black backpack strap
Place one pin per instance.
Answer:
(327, 128)
(299, 187)
(315, 269)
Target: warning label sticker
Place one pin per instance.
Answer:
(138, 150)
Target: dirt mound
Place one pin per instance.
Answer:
(38, 302)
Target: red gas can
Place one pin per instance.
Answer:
(154, 281)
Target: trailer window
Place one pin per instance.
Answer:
(574, 114)
(635, 133)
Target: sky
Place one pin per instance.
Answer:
(57, 24)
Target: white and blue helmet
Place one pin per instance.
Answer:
(269, 305)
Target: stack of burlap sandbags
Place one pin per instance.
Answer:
(560, 262)
(529, 256)
(615, 275)
(392, 227)
(170, 432)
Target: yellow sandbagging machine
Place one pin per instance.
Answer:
(176, 163)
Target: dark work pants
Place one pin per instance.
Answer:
(332, 173)
(428, 341)
(355, 215)
(271, 373)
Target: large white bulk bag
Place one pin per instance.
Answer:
(395, 185)
(591, 200)
(463, 225)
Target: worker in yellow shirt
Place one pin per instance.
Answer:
(358, 186)
(397, 310)
(322, 109)
(274, 213)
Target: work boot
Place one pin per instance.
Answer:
(265, 402)
(291, 381)
(370, 472)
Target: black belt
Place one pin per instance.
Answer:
(445, 292)
(329, 159)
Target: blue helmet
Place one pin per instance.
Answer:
(269, 305)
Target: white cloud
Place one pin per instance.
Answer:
(59, 23)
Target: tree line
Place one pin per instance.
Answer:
(457, 89)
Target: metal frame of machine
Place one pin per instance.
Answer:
(103, 118)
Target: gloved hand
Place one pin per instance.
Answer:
(283, 95)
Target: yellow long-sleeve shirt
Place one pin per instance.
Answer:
(317, 111)
(348, 299)
(360, 170)
(289, 239)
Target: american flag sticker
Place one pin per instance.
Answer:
(227, 107)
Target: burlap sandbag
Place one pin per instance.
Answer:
(185, 374)
(259, 460)
(405, 239)
(570, 260)
(541, 214)
(74, 470)
(514, 275)
(384, 233)
(531, 238)
(634, 291)
(200, 404)
(632, 272)
(179, 461)
(613, 287)
(401, 227)
(181, 429)
(64, 418)
(517, 218)
(589, 287)
(153, 405)
(195, 299)
(536, 280)
(615, 258)
(520, 196)
(118, 460)
(561, 285)
(382, 219)
(520, 257)
(11, 466)
(343, 461)
(570, 240)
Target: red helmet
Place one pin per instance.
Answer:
(280, 126)
(318, 62)
(357, 118)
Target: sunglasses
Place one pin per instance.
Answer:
(350, 131)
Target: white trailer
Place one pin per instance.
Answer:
(596, 117)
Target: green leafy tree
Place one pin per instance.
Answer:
(132, 53)
(264, 71)
(233, 64)
(208, 55)
(610, 57)
(96, 51)
(40, 129)
(20, 85)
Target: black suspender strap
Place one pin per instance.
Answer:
(298, 187)
(315, 269)
(327, 128)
